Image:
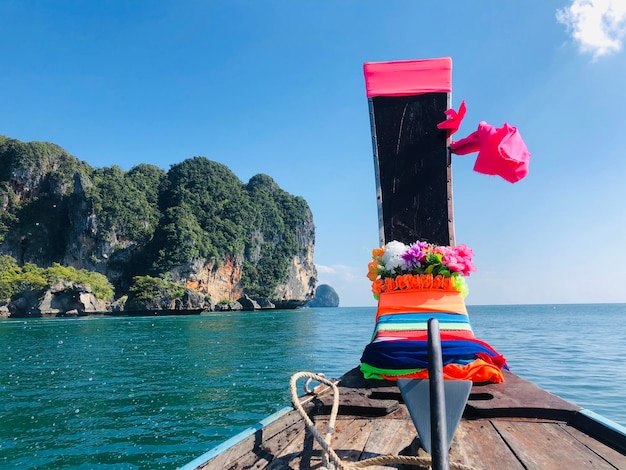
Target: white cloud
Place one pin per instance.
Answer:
(324, 269)
(338, 271)
(599, 26)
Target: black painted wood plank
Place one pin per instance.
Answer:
(413, 171)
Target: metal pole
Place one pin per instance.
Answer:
(438, 433)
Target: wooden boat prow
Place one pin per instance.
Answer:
(510, 425)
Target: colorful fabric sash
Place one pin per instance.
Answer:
(399, 346)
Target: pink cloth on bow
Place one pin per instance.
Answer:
(501, 151)
(454, 119)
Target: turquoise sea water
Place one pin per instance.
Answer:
(156, 392)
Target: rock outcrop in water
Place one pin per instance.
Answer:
(325, 296)
(62, 299)
(197, 225)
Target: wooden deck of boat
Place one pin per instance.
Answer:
(513, 425)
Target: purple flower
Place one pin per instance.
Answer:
(415, 254)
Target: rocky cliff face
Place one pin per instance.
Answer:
(223, 281)
(220, 281)
(300, 285)
(188, 225)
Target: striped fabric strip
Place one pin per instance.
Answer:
(422, 335)
(399, 346)
(420, 326)
(405, 324)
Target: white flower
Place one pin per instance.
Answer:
(392, 258)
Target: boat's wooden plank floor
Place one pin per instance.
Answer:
(478, 444)
(510, 435)
(612, 456)
(548, 445)
(495, 443)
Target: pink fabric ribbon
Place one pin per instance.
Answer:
(454, 119)
(501, 150)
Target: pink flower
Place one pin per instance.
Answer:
(443, 251)
(464, 256)
(464, 251)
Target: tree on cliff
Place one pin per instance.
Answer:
(205, 215)
(15, 279)
(128, 202)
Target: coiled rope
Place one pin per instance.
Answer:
(329, 455)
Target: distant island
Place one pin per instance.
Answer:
(192, 238)
(325, 296)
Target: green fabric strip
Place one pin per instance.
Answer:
(370, 372)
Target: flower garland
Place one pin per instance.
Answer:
(421, 265)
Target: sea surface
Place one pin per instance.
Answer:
(156, 392)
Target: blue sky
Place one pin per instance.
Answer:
(276, 87)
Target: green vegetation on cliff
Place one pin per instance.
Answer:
(100, 286)
(127, 202)
(275, 216)
(209, 213)
(205, 214)
(15, 279)
(55, 208)
(36, 180)
(148, 290)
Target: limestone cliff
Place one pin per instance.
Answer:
(223, 281)
(302, 277)
(196, 224)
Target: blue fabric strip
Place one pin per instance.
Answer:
(423, 317)
(414, 354)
